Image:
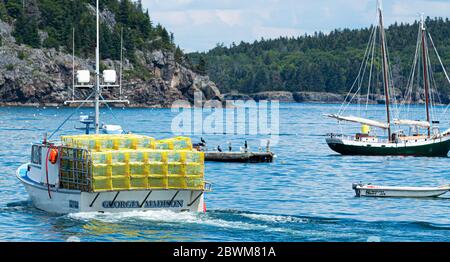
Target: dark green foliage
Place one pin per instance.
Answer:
(325, 63)
(201, 67)
(179, 56)
(13, 8)
(58, 18)
(21, 55)
(3, 11)
(26, 31)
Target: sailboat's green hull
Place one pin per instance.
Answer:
(435, 149)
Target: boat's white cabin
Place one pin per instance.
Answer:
(40, 169)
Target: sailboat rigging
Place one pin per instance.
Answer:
(432, 143)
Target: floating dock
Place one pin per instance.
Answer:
(240, 157)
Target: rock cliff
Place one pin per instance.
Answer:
(44, 76)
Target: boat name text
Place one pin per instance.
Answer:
(147, 204)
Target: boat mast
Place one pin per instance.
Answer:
(385, 69)
(97, 76)
(121, 62)
(97, 87)
(73, 63)
(425, 73)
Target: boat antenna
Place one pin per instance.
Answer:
(425, 71)
(97, 75)
(121, 62)
(385, 68)
(73, 63)
(109, 80)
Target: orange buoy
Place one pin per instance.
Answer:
(53, 158)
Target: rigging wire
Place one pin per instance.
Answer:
(432, 81)
(371, 71)
(439, 58)
(406, 103)
(366, 60)
(112, 112)
(70, 116)
(392, 93)
(444, 113)
(358, 80)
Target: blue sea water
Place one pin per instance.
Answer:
(305, 195)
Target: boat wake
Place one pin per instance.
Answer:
(167, 217)
(220, 219)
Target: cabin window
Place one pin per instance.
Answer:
(36, 155)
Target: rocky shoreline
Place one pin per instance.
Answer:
(313, 97)
(43, 77)
(299, 97)
(284, 97)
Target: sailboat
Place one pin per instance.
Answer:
(424, 138)
(112, 173)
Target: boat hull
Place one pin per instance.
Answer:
(374, 191)
(432, 148)
(60, 201)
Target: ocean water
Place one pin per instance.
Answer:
(306, 195)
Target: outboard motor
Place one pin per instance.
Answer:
(355, 187)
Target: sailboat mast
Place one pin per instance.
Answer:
(97, 76)
(425, 74)
(385, 71)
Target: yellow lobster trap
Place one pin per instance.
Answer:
(131, 162)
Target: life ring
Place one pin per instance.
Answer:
(53, 157)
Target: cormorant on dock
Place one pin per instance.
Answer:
(244, 156)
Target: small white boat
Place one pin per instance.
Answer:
(369, 190)
(112, 129)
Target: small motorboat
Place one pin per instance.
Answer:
(369, 190)
(112, 129)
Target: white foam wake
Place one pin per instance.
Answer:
(166, 217)
(275, 218)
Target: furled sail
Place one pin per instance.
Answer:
(360, 120)
(401, 122)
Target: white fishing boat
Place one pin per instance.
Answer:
(112, 173)
(421, 137)
(369, 190)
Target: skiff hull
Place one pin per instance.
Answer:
(399, 192)
(61, 201)
(432, 148)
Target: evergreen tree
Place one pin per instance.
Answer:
(202, 65)
(26, 31)
(320, 62)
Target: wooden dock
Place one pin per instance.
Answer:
(240, 157)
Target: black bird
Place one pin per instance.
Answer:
(219, 149)
(203, 142)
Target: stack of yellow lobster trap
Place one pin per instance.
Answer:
(131, 162)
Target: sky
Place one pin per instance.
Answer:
(199, 25)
